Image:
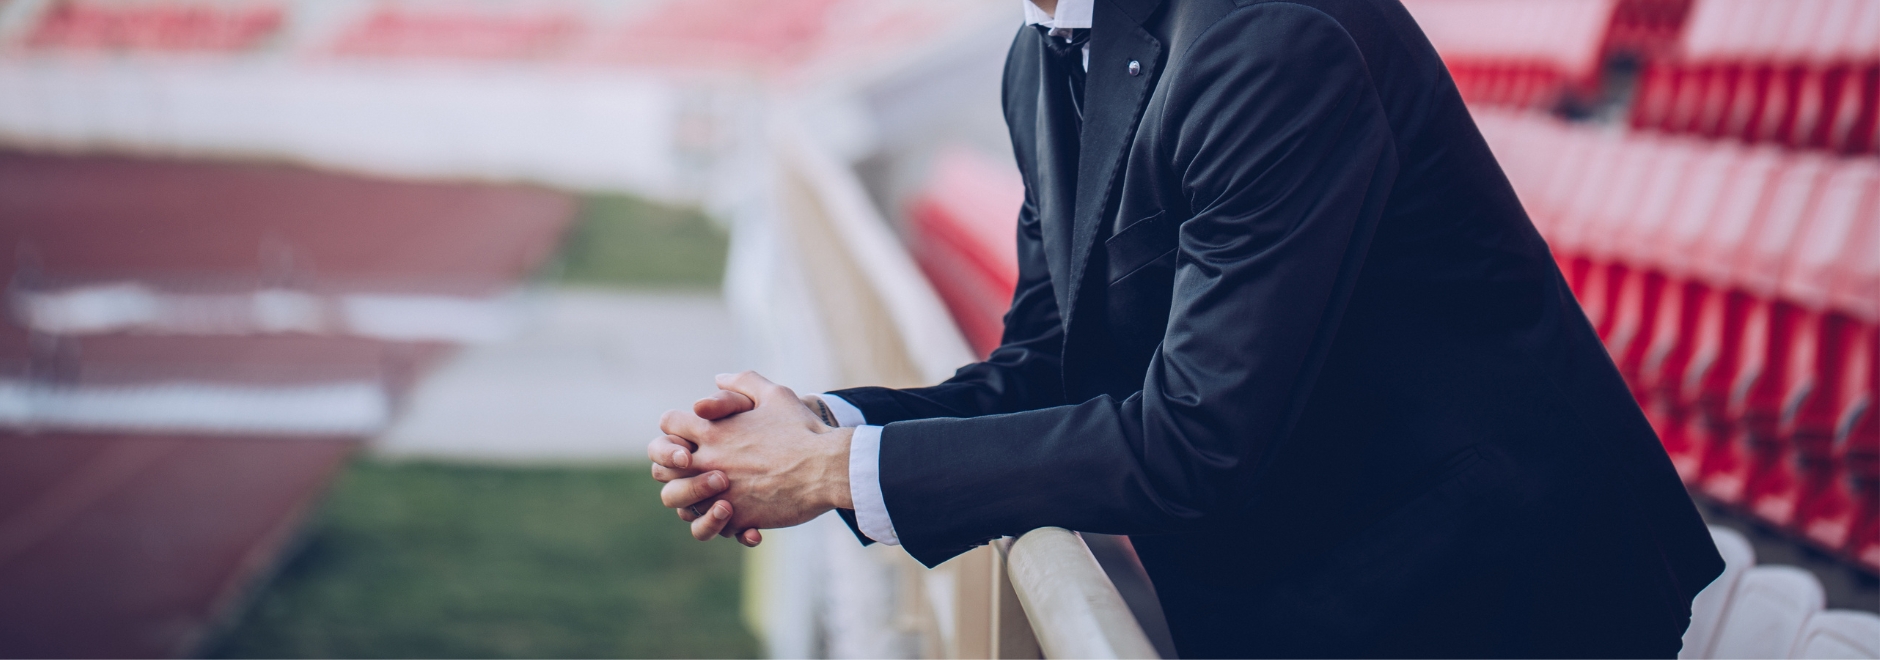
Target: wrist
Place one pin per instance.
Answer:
(836, 478)
(821, 408)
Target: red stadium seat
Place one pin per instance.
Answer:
(1669, 353)
(1770, 326)
(1723, 316)
(1573, 219)
(1800, 73)
(199, 27)
(1810, 396)
(1640, 286)
(961, 226)
(393, 31)
(1523, 54)
(1862, 422)
(1639, 159)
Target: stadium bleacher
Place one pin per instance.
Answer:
(1733, 285)
(75, 25)
(1800, 74)
(459, 32)
(1727, 245)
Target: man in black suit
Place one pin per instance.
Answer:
(1281, 320)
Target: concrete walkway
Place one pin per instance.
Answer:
(584, 378)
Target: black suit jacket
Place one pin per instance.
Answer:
(1281, 319)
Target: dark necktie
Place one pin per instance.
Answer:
(1070, 58)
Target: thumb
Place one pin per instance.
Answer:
(755, 386)
(722, 404)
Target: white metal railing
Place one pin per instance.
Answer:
(872, 318)
(1075, 610)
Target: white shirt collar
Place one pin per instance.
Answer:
(1071, 14)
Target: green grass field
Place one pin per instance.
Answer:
(618, 240)
(426, 560)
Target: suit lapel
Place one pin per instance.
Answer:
(1113, 103)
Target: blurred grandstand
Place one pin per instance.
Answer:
(1706, 171)
(200, 330)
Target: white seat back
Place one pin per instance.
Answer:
(1707, 609)
(1767, 612)
(1839, 634)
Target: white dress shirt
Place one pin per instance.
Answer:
(871, 513)
(1071, 14)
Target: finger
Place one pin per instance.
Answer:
(684, 424)
(750, 538)
(722, 404)
(671, 451)
(753, 385)
(665, 474)
(692, 490)
(708, 525)
(686, 514)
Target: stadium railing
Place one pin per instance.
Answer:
(878, 320)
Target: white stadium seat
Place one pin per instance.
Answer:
(1708, 608)
(1839, 634)
(1767, 612)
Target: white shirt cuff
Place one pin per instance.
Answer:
(871, 512)
(846, 413)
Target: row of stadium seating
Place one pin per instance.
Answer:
(1738, 288)
(92, 25)
(769, 34)
(1771, 612)
(1526, 54)
(393, 31)
(1798, 73)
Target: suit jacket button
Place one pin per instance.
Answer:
(1135, 68)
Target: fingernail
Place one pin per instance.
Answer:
(721, 512)
(716, 481)
(679, 458)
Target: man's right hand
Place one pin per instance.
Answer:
(687, 489)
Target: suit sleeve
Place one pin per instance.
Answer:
(1023, 372)
(1285, 158)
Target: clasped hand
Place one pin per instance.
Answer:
(750, 456)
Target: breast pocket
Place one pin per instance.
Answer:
(1142, 281)
(1144, 243)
